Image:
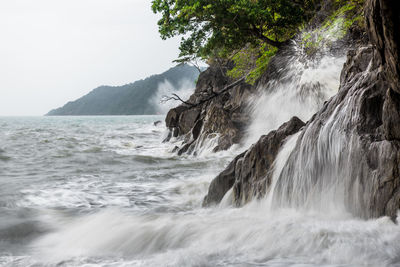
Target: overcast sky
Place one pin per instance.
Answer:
(55, 51)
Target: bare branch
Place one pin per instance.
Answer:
(175, 97)
(228, 87)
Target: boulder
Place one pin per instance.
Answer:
(248, 173)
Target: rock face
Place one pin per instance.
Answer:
(248, 173)
(213, 112)
(215, 109)
(383, 21)
(348, 155)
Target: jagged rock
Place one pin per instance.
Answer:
(248, 172)
(187, 119)
(172, 118)
(222, 183)
(344, 154)
(383, 22)
(348, 154)
(391, 113)
(212, 113)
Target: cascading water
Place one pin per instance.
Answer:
(300, 89)
(317, 175)
(335, 164)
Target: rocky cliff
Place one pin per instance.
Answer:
(215, 110)
(347, 155)
(220, 110)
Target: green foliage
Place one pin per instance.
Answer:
(219, 27)
(244, 61)
(251, 62)
(336, 26)
(261, 63)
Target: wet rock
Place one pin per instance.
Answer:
(391, 114)
(248, 173)
(172, 119)
(211, 112)
(349, 151)
(383, 22)
(348, 154)
(156, 123)
(187, 119)
(222, 183)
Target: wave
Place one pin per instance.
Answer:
(227, 236)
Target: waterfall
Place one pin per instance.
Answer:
(300, 89)
(328, 169)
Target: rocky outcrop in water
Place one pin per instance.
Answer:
(348, 154)
(249, 173)
(215, 109)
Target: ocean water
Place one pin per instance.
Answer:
(106, 191)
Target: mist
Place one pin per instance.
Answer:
(185, 89)
(55, 51)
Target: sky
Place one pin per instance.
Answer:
(55, 51)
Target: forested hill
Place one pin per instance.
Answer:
(129, 99)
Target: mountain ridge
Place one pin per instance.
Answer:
(129, 99)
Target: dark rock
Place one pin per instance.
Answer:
(350, 146)
(342, 148)
(214, 112)
(187, 119)
(221, 184)
(383, 22)
(184, 149)
(348, 154)
(172, 118)
(391, 114)
(197, 129)
(156, 123)
(169, 136)
(248, 172)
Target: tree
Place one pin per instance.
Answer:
(220, 27)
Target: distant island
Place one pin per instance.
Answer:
(138, 98)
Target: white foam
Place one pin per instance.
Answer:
(245, 236)
(300, 92)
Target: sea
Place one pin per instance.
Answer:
(107, 191)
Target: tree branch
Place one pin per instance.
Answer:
(264, 38)
(226, 88)
(174, 96)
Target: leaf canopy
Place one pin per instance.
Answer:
(219, 27)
